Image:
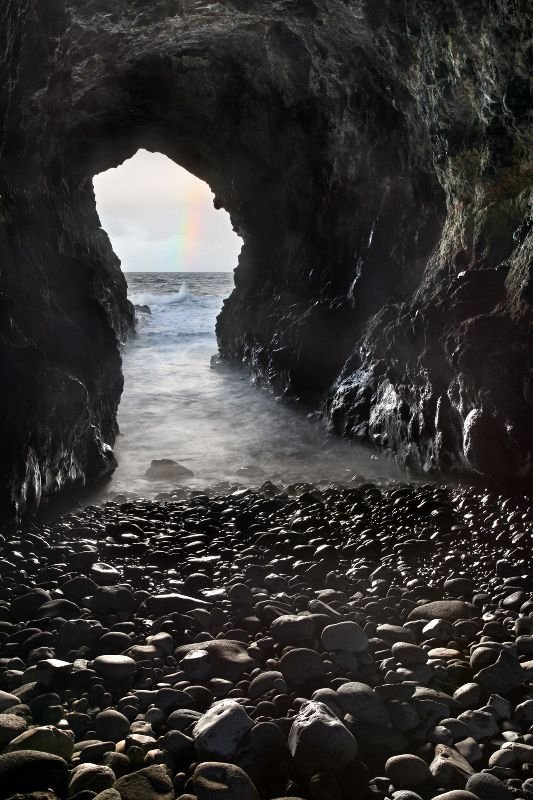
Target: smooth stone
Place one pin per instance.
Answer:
(174, 603)
(115, 668)
(94, 753)
(395, 633)
(344, 636)
(150, 783)
(459, 729)
(469, 695)
(485, 655)
(362, 702)
(142, 652)
(90, 777)
(219, 781)
(522, 752)
(503, 758)
(455, 794)
(524, 645)
(269, 745)
(60, 607)
(219, 732)
(409, 654)
(458, 586)
(111, 725)
(445, 654)
(170, 699)
(449, 769)
(24, 607)
(45, 739)
(449, 610)
(240, 594)
(30, 770)
(266, 682)
(319, 742)
(488, 787)
(301, 666)
(229, 658)
(298, 630)
(8, 700)
(407, 770)
(108, 794)
(104, 574)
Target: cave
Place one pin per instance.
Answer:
(373, 157)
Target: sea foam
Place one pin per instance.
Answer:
(157, 300)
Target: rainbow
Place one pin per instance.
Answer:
(189, 227)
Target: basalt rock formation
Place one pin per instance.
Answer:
(374, 155)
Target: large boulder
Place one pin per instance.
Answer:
(319, 742)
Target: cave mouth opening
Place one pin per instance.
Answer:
(178, 253)
(160, 218)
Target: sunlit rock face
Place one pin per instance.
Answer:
(374, 158)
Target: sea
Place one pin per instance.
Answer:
(214, 421)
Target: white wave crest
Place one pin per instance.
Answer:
(155, 300)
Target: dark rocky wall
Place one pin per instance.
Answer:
(374, 158)
(63, 306)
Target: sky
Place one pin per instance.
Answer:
(160, 218)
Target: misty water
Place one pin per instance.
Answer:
(213, 421)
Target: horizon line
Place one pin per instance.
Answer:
(178, 272)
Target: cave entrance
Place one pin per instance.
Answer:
(160, 218)
(178, 254)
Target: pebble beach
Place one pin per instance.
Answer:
(311, 642)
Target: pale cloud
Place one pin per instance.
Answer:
(160, 218)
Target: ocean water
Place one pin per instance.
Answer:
(213, 421)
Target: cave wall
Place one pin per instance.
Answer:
(375, 157)
(63, 306)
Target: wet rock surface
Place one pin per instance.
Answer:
(305, 658)
(375, 158)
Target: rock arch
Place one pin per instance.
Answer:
(365, 152)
